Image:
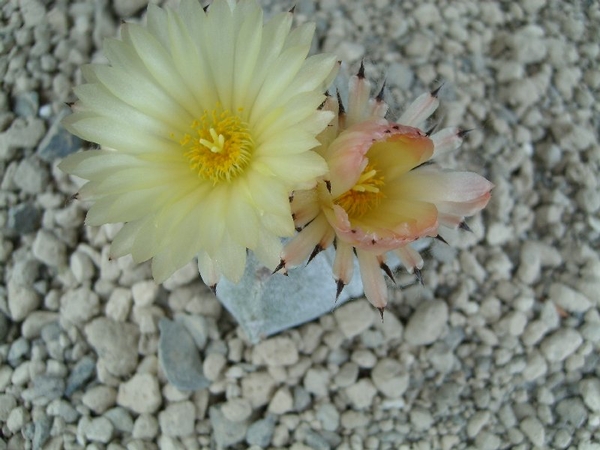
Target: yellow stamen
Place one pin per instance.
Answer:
(219, 147)
(364, 195)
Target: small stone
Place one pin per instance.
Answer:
(81, 266)
(213, 366)
(347, 375)
(30, 176)
(316, 381)
(178, 419)
(116, 344)
(236, 409)
(282, 402)
(62, 409)
(26, 104)
(16, 419)
(41, 432)
(277, 351)
(476, 422)
(427, 323)
(354, 419)
(145, 427)
(329, 416)
(83, 371)
(22, 300)
(179, 357)
(400, 75)
(48, 249)
(257, 387)
(119, 304)
(18, 350)
(420, 418)
(99, 429)
(79, 306)
(22, 134)
(24, 218)
(35, 321)
(536, 367)
(58, 143)
(225, 433)
(560, 344)
(144, 292)
(590, 391)
(355, 317)
(568, 299)
(46, 388)
(534, 430)
(389, 377)
(261, 432)
(197, 327)
(120, 419)
(99, 398)
(301, 399)
(528, 46)
(7, 404)
(361, 394)
(573, 411)
(141, 394)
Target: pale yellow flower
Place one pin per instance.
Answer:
(382, 191)
(206, 121)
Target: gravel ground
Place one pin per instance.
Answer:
(499, 348)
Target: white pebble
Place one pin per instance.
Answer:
(389, 377)
(119, 304)
(178, 419)
(277, 351)
(79, 306)
(140, 394)
(355, 317)
(145, 427)
(144, 292)
(361, 394)
(534, 430)
(560, 344)
(569, 299)
(282, 402)
(427, 323)
(590, 391)
(48, 249)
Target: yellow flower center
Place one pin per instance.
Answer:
(219, 147)
(364, 195)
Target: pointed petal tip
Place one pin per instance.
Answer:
(462, 133)
(280, 266)
(361, 70)
(318, 249)
(292, 9)
(387, 271)
(381, 310)
(463, 226)
(213, 288)
(339, 288)
(381, 93)
(436, 91)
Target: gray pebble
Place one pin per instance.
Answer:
(329, 416)
(590, 391)
(120, 419)
(315, 441)
(31, 177)
(302, 399)
(569, 299)
(41, 432)
(22, 300)
(7, 404)
(225, 433)
(45, 387)
(78, 306)
(18, 350)
(58, 142)
(390, 378)
(26, 104)
(99, 429)
(573, 411)
(260, 432)
(145, 427)
(34, 323)
(534, 430)
(63, 409)
(560, 344)
(83, 371)
(24, 218)
(48, 249)
(115, 343)
(179, 357)
(427, 323)
(178, 419)
(21, 134)
(354, 318)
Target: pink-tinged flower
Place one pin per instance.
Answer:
(383, 190)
